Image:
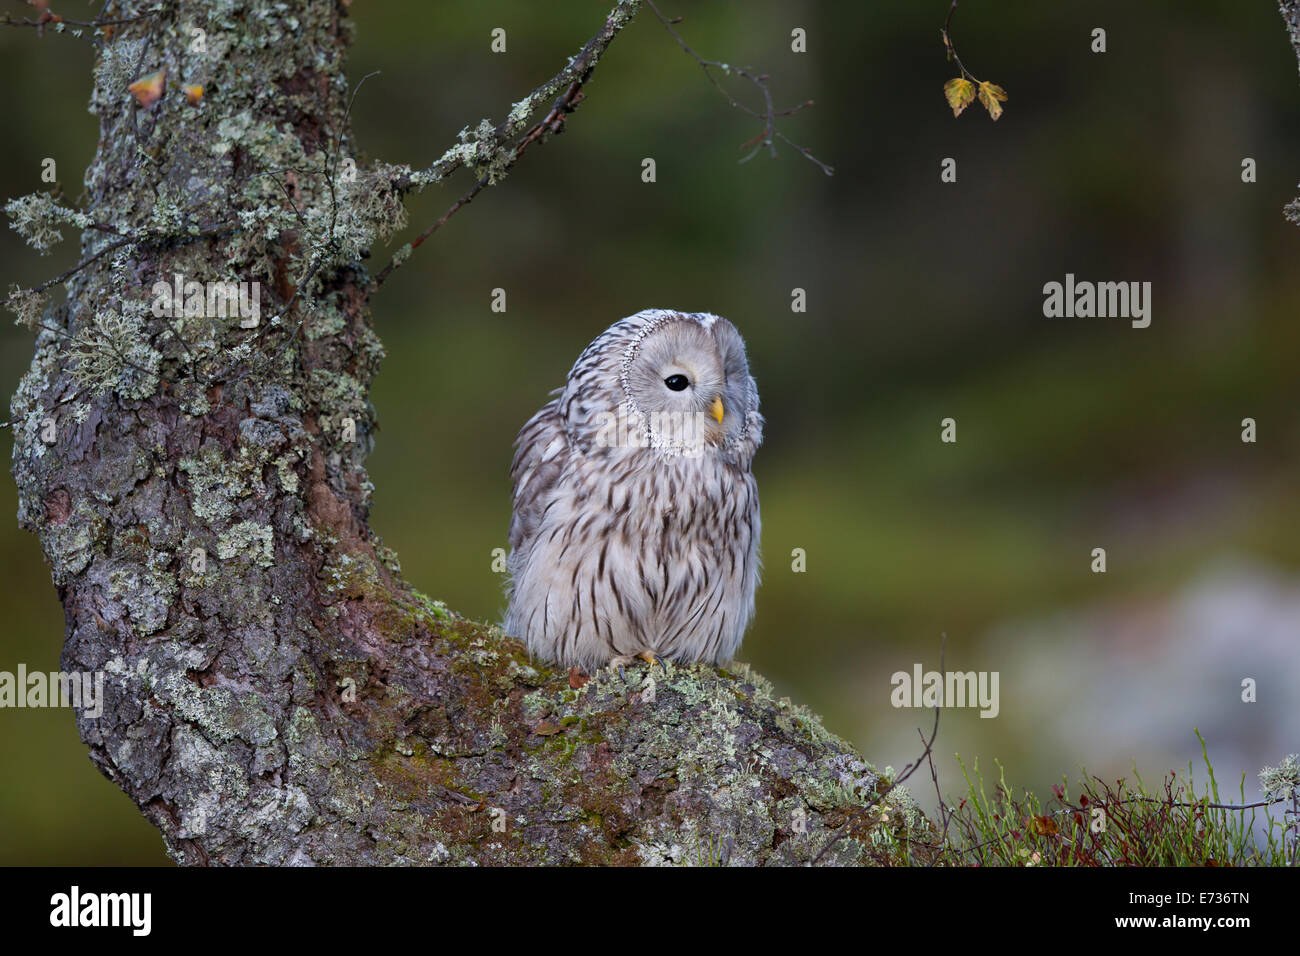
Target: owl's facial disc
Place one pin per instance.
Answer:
(679, 383)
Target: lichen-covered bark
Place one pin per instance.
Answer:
(1291, 15)
(275, 692)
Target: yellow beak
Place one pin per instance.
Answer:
(716, 410)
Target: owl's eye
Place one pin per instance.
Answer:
(677, 382)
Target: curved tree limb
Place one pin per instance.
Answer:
(274, 691)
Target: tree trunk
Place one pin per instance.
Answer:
(274, 691)
(1291, 15)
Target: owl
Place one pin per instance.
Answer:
(635, 527)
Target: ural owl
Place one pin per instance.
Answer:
(635, 525)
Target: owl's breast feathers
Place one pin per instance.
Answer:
(622, 551)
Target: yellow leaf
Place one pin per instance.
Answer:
(193, 93)
(990, 95)
(1044, 826)
(148, 90)
(960, 93)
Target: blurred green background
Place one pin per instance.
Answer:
(924, 301)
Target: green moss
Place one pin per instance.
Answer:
(410, 773)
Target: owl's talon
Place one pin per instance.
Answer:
(624, 660)
(619, 662)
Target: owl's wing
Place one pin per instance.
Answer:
(540, 453)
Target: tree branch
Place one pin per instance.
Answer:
(274, 691)
(486, 150)
(769, 134)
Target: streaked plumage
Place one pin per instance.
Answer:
(635, 522)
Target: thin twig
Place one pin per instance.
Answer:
(552, 123)
(952, 50)
(60, 402)
(769, 134)
(126, 240)
(1070, 808)
(48, 18)
(898, 780)
(577, 73)
(578, 69)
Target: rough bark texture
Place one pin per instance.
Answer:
(1291, 14)
(289, 699)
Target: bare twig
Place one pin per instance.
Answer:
(50, 18)
(1295, 827)
(768, 136)
(578, 70)
(59, 403)
(952, 50)
(47, 18)
(900, 778)
(1198, 805)
(552, 123)
(571, 79)
(125, 240)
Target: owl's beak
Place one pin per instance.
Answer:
(716, 410)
